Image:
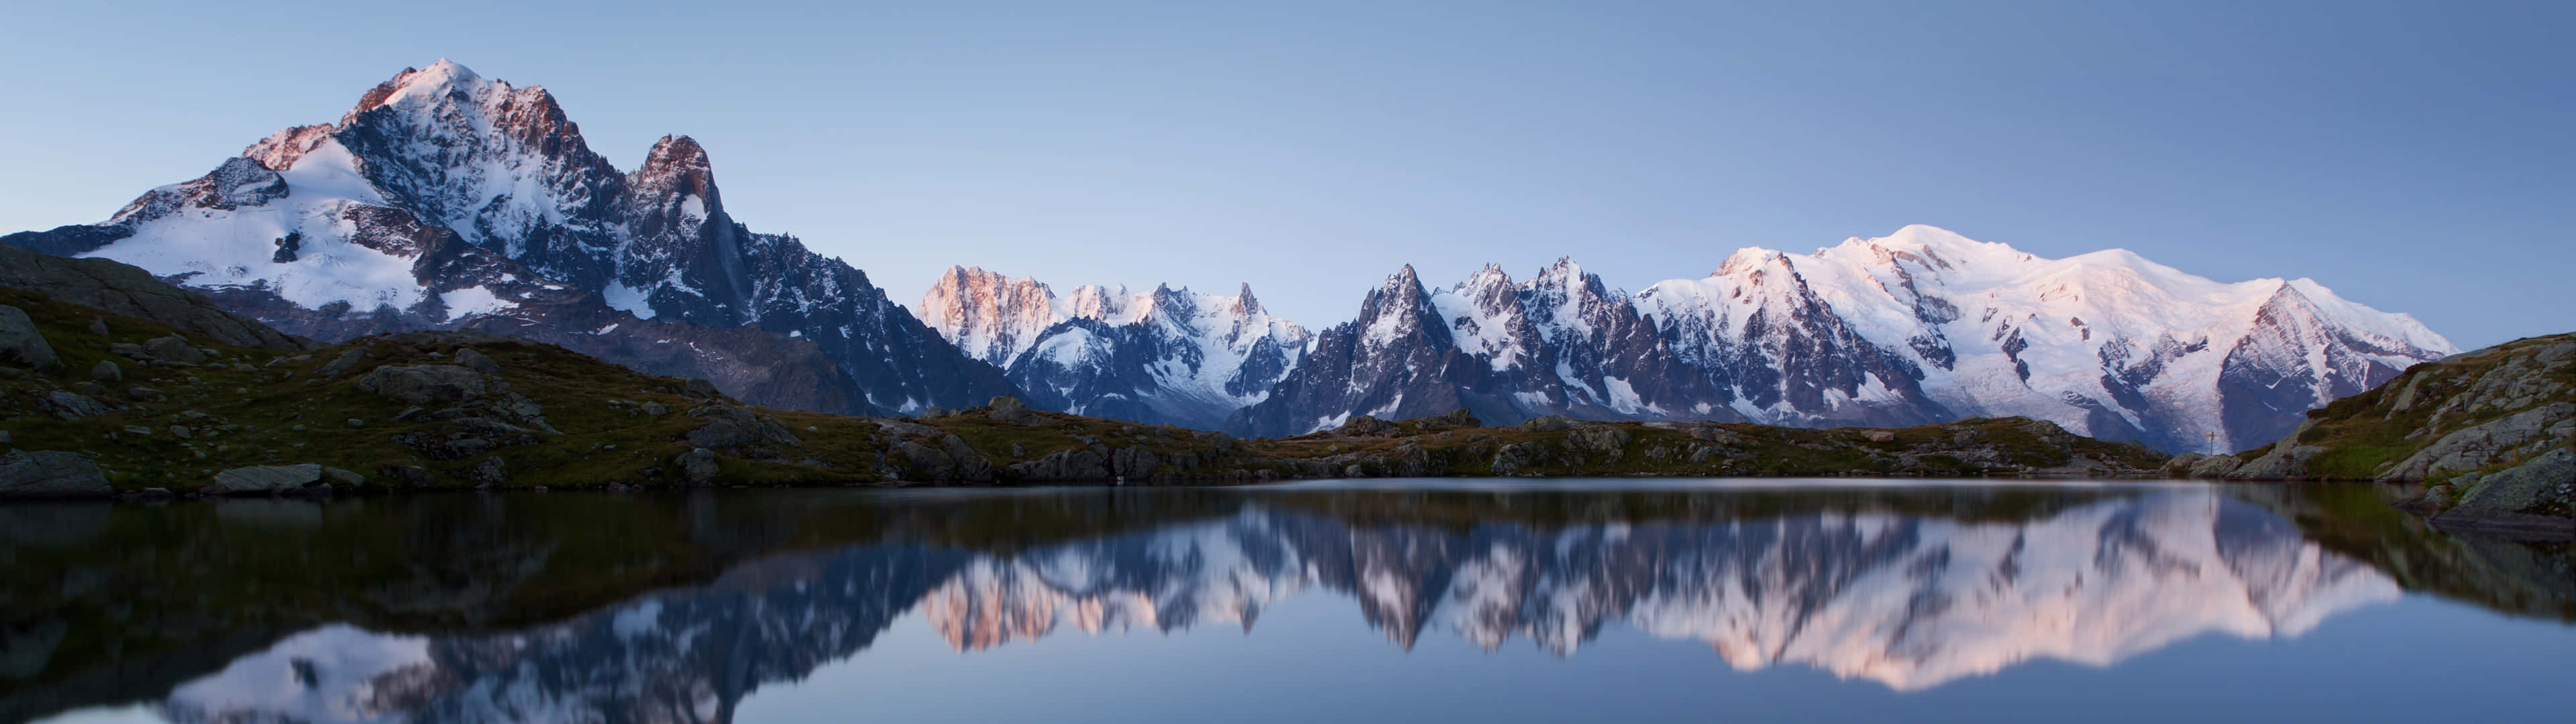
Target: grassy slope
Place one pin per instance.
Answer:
(2364, 432)
(250, 407)
(255, 414)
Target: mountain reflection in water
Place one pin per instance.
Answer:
(686, 605)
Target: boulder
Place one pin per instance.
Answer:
(1065, 465)
(141, 393)
(2481, 445)
(699, 387)
(892, 426)
(264, 479)
(2543, 479)
(1363, 425)
(173, 348)
(20, 343)
(107, 372)
(2287, 460)
(925, 463)
(697, 465)
(2181, 464)
(1715, 434)
(49, 473)
(467, 358)
(971, 465)
(1009, 409)
(518, 408)
(346, 361)
(729, 426)
(1597, 439)
(424, 384)
(411, 475)
(72, 405)
(1546, 423)
(2217, 466)
(343, 477)
(1134, 461)
(492, 471)
(1511, 458)
(1458, 418)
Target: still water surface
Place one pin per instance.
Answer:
(1359, 601)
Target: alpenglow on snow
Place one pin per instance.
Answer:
(1919, 326)
(445, 200)
(1166, 356)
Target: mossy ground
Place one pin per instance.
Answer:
(2365, 433)
(275, 407)
(250, 406)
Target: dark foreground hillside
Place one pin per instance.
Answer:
(2490, 435)
(163, 400)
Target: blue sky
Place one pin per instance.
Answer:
(2415, 157)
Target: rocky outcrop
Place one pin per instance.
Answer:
(46, 474)
(274, 480)
(2488, 433)
(20, 343)
(132, 292)
(424, 384)
(2486, 443)
(2539, 484)
(73, 406)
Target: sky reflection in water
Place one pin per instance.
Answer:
(1490, 599)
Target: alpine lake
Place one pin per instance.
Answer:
(1352, 600)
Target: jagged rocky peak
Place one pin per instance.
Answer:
(989, 316)
(1245, 303)
(677, 166)
(416, 87)
(1918, 326)
(445, 199)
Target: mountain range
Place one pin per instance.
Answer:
(446, 200)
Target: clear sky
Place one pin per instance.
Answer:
(2416, 157)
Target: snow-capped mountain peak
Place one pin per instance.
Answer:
(1917, 326)
(446, 199)
(1165, 355)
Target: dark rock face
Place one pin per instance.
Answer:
(509, 223)
(2265, 378)
(129, 291)
(424, 384)
(729, 426)
(50, 474)
(1565, 344)
(1167, 356)
(1397, 360)
(2490, 433)
(20, 343)
(266, 480)
(1922, 326)
(72, 405)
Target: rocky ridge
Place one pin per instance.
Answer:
(1166, 356)
(1919, 326)
(445, 200)
(2491, 434)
